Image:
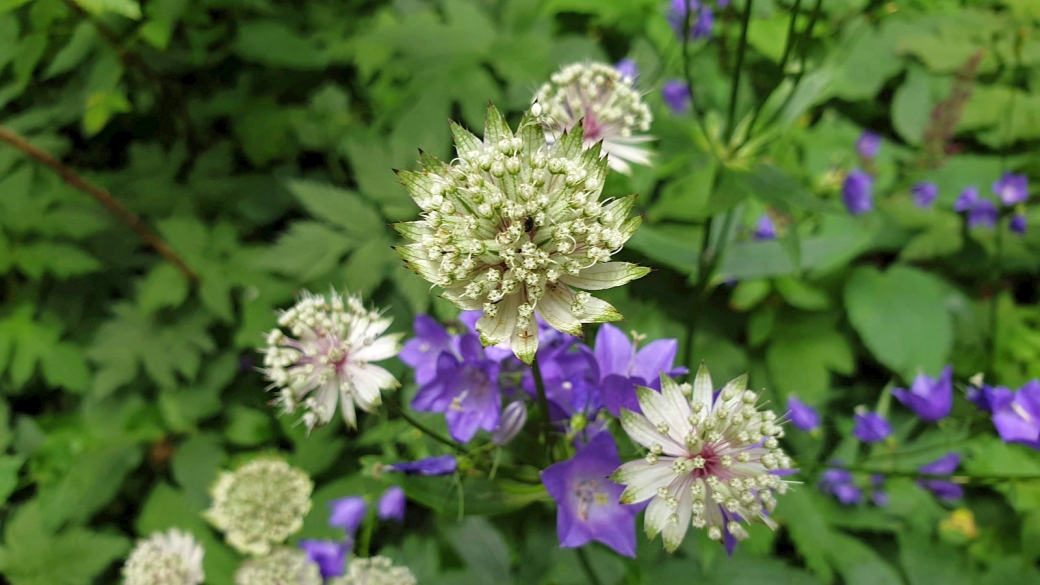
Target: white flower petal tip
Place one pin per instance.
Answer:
(712, 459)
(514, 227)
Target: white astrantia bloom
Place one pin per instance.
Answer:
(165, 558)
(284, 566)
(512, 224)
(713, 460)
(260, 505)
(375, 571)
(327, 357)
(610, 109)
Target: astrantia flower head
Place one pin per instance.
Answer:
(375, 571)
(284, 566)
(714, 460)
(327, 358)
(166, 558)
(511, 225)
(260, 504)
(603, 99)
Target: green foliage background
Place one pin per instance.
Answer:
(258, 138)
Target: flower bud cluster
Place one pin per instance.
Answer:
(512, 224)
(170, 558)
(260, 505)
(284, 566)
(610, 109)
(375, 571)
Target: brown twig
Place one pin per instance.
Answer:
(103, 197)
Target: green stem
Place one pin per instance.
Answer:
(425, 429)
(366, 536)
(735, 86)
(587, 567)
(804, 46)
(788, 49)
(694, 108)
(543, 401)
(994, 309)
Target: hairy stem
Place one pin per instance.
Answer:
(102, 196)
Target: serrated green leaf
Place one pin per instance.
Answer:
(128, 8)
(248, 426)
(94, 478)
(342, 208)
(60, 260)
(163, 286)
(273, 43)
(9, 468)
(307, 251)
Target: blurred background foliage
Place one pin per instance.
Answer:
(258, 138)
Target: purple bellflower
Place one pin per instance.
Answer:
(421, 352)
(929, 398)
(987, 396)
(622, 368)
(802, 415)
(1017, 415)
(439, 465)
(587, 502)
(967, 198)
(838, 483)
(330, 556)
(628, 68)
(1011, 188)
(858, 192)
(878, 495)
(465, 389)
(983, 213)
(347, 513)
(701, 17)
(871, 427)
(943, 489)
(764, 228)
(1018, 224)
(867, 144)
(924, 193)
(392, 504)
(676, 95)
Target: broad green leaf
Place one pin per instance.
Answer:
(902, 317)
(803, 353)
(912, 105)
(163, 286)
(94, 478)
(101, 106)
(749, 293)
(80, 44)
(802, 295)
(33, 555)
(58, 259)
(368, 265)
(273, 43)
(342, 208)
(195, 465)
(128, 8)
(10, 465)
(483, 549)
(307, 251)
(248, 426)
(675, 246)
(478, 496)
(927, 562)
(162, 18)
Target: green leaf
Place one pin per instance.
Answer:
(808, 529)
(926, 562)
(902, 317)
(804, 352)
(483, 549)
(859, 564)
(33, 555)
(82, 42)
(479, 496)
(675, 246)
(749, 293)
(163, 286)
(162, 18)
(128, 8)
(195, 466)
(368, 265)
(60, 260)
(306, 251)
(273, 43)
(802, 295)
(101, 106)
(775, 187)
(912, 105)
(342, 208)
(248, 426)
(94, 478)
(10, 465)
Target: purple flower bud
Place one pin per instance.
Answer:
(628, 68)
(347, 513)
(392, 504)
(328, 555)
(871, 427)
(439, 465)
(764, 228)
(802, 415)
(867, 144)
(705, 22)
(966, 199)
(513, 418)
(930, 398)
(924, 193)
(848, 493)
(1018, 224)
(858, 192)
(1011, 188)
(838, 482)
(676, 95)
(946, 490)
(983, 213)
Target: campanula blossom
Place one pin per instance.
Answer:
(465, 390)
(871, 427)
(347, 513)
(714, 460)
(1017, 415)
(867, 144)
(929, 398)
(878, 495)
(1018, 224)
(764, 228)
(858, 192)
(392, 504)
(924, 193)
(587, 502)
(839, 483)
(421, 352)
(983, 213)
(676, 96)
(943, 489)
(438, 465)
(1011, 188)
(801, 415)
(622, 367)
(987, 396)
(330, 556)
(628, 68)
(967, 198)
